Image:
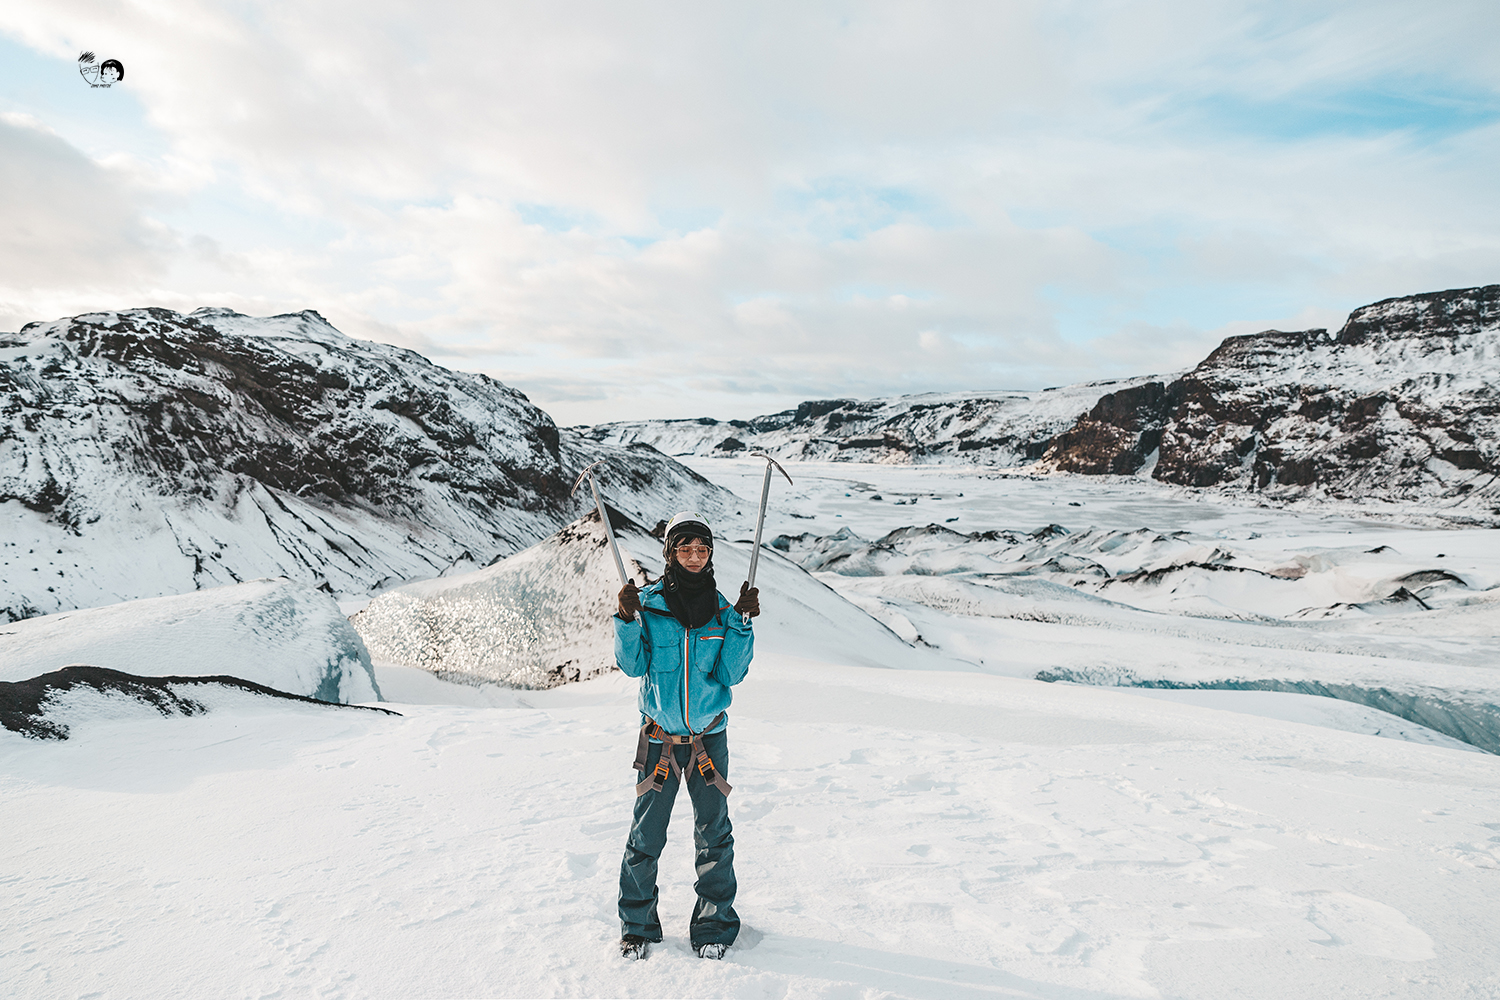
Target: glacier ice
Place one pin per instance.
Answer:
(537, 619)
(542, 617)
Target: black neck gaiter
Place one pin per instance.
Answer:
(691, 597)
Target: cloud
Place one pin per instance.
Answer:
(681, 206)
(68, 223)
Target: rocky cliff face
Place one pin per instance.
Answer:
(146, 452)
(1399, 404)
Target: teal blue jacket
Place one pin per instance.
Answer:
(685, 675)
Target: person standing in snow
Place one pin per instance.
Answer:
(688, 646)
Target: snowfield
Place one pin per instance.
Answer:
(904, 834)
(913, 818)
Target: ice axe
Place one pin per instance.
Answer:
(760, 521)
(609, 532)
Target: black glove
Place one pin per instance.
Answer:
(630, 601)
(749, 602)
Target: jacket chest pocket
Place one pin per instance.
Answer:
(666, 649)
(706, 651)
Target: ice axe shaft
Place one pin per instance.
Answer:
(760, 520)
(609, 531)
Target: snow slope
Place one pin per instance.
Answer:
(272, 632)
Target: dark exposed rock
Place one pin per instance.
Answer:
(1118, 434)
(815, 408)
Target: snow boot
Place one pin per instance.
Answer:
(714, 951)
(633, 947)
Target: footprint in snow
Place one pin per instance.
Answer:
(749, 812)
(582, 865)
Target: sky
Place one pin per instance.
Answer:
(663, 209)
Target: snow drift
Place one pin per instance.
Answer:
(270, 632)
(52, 705)
(537, 619)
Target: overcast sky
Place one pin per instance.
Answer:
(633, 209)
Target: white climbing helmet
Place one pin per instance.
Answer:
(686, 522)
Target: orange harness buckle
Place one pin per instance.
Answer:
(666, 761)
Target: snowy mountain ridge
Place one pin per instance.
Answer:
(146, 452)
(1005, 428)
(1400, 405)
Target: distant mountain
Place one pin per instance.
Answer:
(147, 452)
(1401, 404)
(979, 428)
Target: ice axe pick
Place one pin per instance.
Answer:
(765, 493)
(609, 531)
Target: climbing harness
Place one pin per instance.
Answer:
(666, 764)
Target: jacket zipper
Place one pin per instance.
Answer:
(687, 717)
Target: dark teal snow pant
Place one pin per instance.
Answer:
(714, 920)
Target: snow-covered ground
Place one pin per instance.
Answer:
(942, 828)
(1129, 582)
